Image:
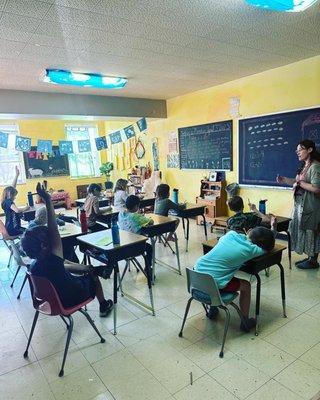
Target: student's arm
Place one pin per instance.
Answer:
(264, 217)
(308, 186)
(19, 209)
(55, 239)
(15, 179)
(145, 221)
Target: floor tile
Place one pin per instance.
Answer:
(272, 390)
(312, 356)
(239, 377)
(94, 351)
(301, 378)
(204, 388)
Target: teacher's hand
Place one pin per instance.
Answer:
(281, 179)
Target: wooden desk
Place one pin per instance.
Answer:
(282, 226)
(256, 265)
(131, 245)
(103, 202)
(29, 214)
(161, 226)
(147, 202)
(108, 216)
(192, 210)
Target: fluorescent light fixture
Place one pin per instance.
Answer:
(62, 77)
(283, 5)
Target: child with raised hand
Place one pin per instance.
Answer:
(225, 259)
(120, 193)
(44, 245)
(12, 212)
(163, 204)
(132, 221)
(92, 209)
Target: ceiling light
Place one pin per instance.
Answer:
(283, 5)
(62, 77)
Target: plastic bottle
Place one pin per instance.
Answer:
(115, 232)
(83, 221)
(175, 196)
(30, 199)
(262, 206)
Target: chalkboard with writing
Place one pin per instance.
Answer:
(40, 165)
(267, 145)
(206, 146)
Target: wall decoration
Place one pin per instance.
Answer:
(23, 143)
(173, 160)
(115, 137)
(173, 142)
(139, 150)
(101, 143)
(142, 124)
(84, 146)
(4, 139)
(129, 132)
(65, 146)
(44, 146)
(37, 165)
(155, 154)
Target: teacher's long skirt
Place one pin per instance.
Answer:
(302, 241)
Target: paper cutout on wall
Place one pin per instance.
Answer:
(139, 150)
(142, 124)
(173, 160)
(155, 154)
(101, 143)
(44, 146)
(115, 137)
(84, 146)
(4, 139)
(65, 147)
(23, 143)
(129, 131)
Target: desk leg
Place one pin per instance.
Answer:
(115, 296)
(177, 252)
(187, 235)
(258, 303)
(289, 249)
(149, 280)
(283, 290)
(153, 244)
(205, 226)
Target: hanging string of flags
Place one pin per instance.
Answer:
(67, 146)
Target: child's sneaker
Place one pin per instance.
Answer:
(105, 307)
(247, 324)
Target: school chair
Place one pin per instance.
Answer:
(7, 239)
(203, 288)
(46, 301)
(21, 262)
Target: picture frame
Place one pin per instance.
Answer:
(213, 175)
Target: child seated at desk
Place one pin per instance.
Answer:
(44, 245)
(120, 193)
(12, 212)
(225, 259)
(132, 221)
(163, 204)
(242, 221)
(92, 209)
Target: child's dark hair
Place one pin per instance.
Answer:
(9, 192)
(163, 191)
(93, 187)
(236, 203)
(121, 184)
(132, 201)
(34, 241)
(262, 237)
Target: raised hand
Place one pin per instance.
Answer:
(42, 192)
(252, 206)
(281, 179)
(17, 170)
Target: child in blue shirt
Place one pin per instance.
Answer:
(44, 245)
(12, 212)
(225, 259)
(132, 221)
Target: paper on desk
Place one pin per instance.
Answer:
(105, 241)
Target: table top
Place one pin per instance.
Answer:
(282, 222)
(161, 225)
(69, 230)
(192, 210)
(101, 199)
(102, 240)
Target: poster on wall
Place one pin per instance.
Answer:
(155, 154)
(173, 142)
(173, 160)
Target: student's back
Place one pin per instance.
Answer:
(163, 204)
(244, 221)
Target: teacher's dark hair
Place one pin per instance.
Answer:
(314, 155)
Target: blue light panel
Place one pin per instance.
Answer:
(61, 77)
(283, 5)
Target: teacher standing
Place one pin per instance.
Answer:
(305, 224)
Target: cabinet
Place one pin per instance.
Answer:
(213, 195)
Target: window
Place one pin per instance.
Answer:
(10, 157)
(83, 164)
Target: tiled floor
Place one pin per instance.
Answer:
(147, 359)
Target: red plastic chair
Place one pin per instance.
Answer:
(7, 239)
(46, 301)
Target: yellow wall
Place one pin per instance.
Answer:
(290, 87)
(53, 130)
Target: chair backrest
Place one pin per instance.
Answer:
(22, 261)
(203, 288)
(44, 295)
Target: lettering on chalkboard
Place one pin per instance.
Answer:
(206, 146)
